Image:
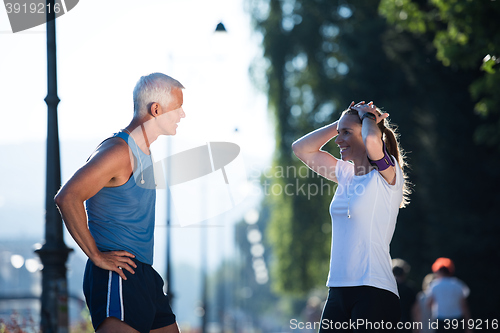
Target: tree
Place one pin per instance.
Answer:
(466, 36)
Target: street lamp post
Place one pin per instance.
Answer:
(54, 253)
(220, 29)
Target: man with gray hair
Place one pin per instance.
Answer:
(108, 207)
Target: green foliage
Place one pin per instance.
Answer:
(404, 14)
(465, 35)
(297, 232)
(488, 63)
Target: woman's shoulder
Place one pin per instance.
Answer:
(344, 170)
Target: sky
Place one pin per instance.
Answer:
(103, 47)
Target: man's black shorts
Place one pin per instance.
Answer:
(139, 301)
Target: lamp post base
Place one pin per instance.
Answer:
(54, 315)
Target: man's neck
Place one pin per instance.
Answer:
(142, 134)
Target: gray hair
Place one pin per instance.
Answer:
(153, 88)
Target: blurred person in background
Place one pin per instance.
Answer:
(447, 297)
(407, 293)
(312, 311)
(423, 311)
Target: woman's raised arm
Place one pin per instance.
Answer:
(308, 150)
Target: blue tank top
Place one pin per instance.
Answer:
(123, 217)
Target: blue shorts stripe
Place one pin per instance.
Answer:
(115, 301)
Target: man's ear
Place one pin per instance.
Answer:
(155, 109)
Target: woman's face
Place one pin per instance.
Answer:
(349, 139)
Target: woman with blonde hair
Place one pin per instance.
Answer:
(372, 186)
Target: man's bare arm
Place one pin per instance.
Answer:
(109, 166)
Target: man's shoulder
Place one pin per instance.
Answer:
(112, 148)
(111, 159)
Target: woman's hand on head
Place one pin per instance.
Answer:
(363, 108)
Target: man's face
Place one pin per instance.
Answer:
(172, 113)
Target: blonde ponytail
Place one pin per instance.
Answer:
(391, 139)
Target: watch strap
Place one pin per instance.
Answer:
(369, 115)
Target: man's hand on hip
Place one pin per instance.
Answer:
(116, 261)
